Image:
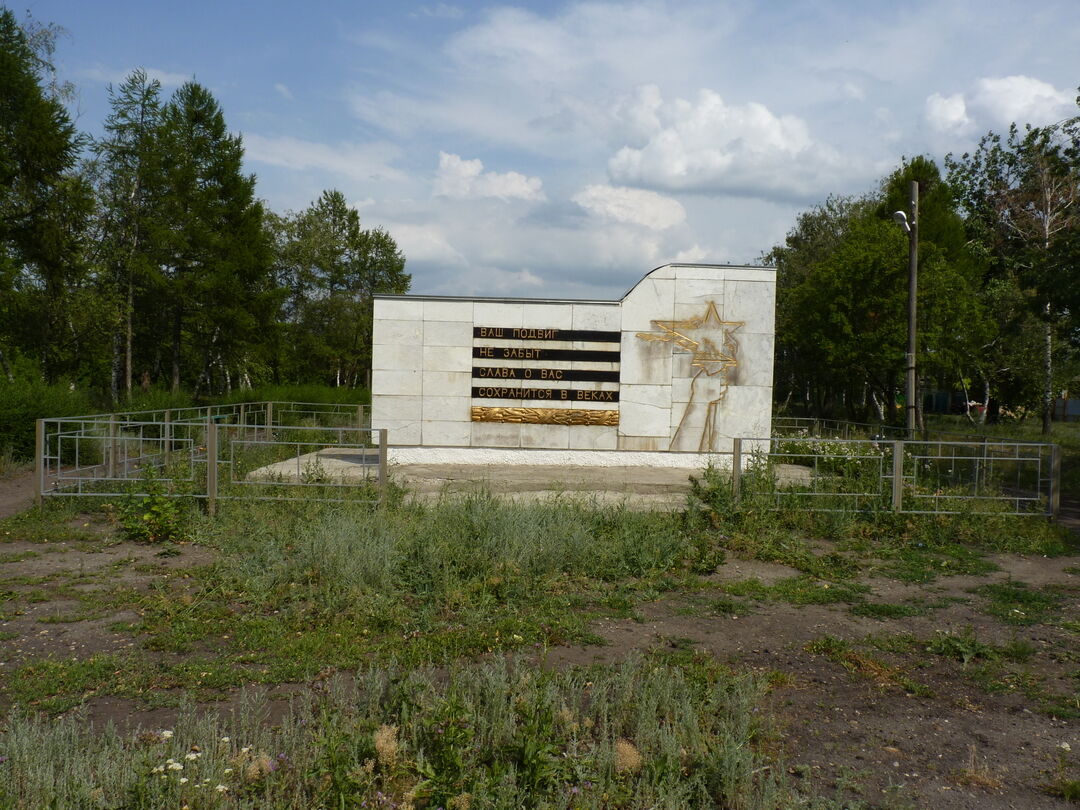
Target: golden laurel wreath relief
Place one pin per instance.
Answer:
(546, 416)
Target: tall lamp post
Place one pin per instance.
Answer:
(911, 227)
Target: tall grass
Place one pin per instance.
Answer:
(757, 526)
(11, 466)
(500, 734)
(458, 549)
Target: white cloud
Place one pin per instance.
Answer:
(442, 11)
(853, 90)
(637, 116)
(1021, 99)
(284, 91)
(690, 255)
(363, 161)
(947, 113)
(427, 244)
(632, 205)
(467, 179)
(105, 75)
(709, 145)
(995, 103)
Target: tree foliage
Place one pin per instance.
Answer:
(331, 269)
(44, 204)
(144, 257)
(1021, 198)
(842, 298)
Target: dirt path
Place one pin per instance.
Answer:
(16, 494)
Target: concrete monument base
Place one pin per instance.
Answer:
(567, 459)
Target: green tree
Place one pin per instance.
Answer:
(842, 298)
(952, 327)
(44, 203)
(802, 371)
(216, 260)
(331, 268)
(130, 201)
(1021, 198)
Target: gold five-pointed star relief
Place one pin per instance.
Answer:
(708, 336)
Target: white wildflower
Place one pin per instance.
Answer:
(166, 734)
(183, 779)
(228, 770)
(221, 788)
(194, 755)
(175, 766)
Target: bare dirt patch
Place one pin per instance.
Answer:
(971, 735)
(16, 493)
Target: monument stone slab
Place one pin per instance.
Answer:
(666, 376)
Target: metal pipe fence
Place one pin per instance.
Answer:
(316, 451)
(911, 477)
(262, 450)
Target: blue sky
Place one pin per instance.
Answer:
(565, 149)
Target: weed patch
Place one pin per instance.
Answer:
(885, 610)
(1017, 603)
(800, 590)
(965, 648)
(865, 666)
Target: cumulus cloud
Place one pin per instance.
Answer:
(467, 179)
(283, 91)
(364, 161)
(691, 255)
(1021, 99)
(710, 145)
(998, 102)
(106, 75)
(632, 205)
(947, 113)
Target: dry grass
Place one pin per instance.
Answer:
(978, 773)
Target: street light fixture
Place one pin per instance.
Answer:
(911, 228)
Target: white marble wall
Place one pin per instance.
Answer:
(661, 390)
(422, 365)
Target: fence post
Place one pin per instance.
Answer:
(39, 461)
(359, 417)
(897, 476)
(167, 432)
(211, 466)
(382, 459)
(269, 420)
(736, 469)
(110, 463)
(1053, 505)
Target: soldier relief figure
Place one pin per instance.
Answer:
(713, 353)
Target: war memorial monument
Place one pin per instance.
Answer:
(666, 376)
